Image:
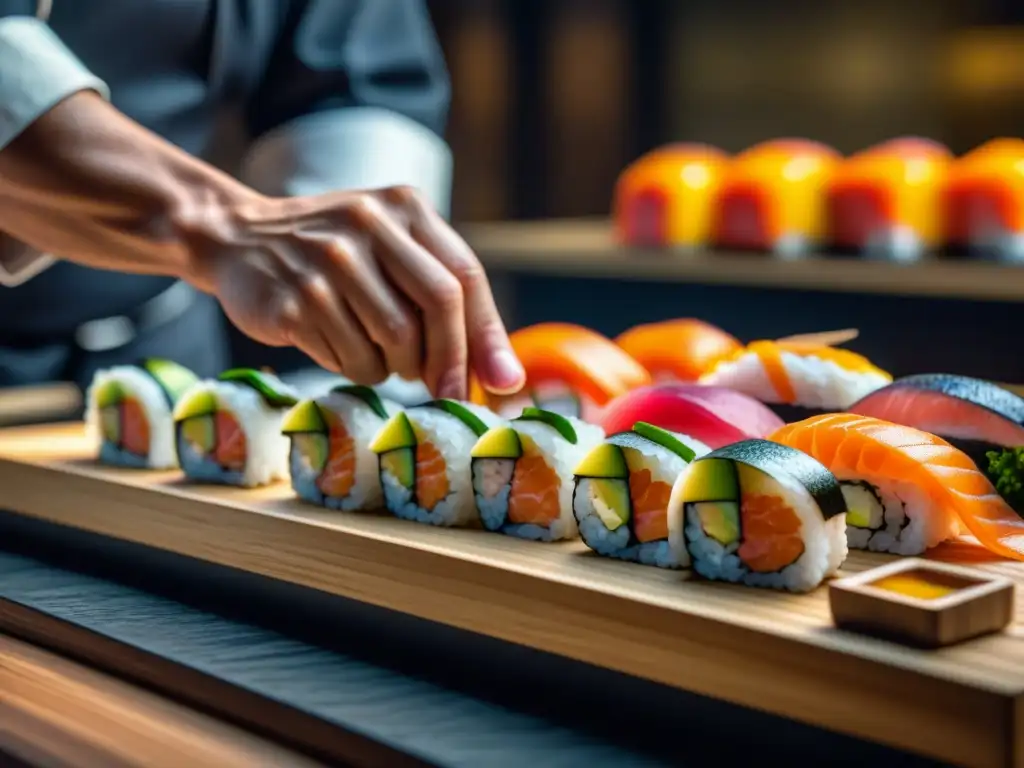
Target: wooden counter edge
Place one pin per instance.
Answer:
(60, 713)
(584, 248)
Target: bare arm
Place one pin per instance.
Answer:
(89, 185)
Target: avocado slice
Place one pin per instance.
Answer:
(202, 403)
(174, 379)
(499, 442)
(462, 413)
(711, 480)
(110, 423)
(267, 385)
(554, 420)
(199, 431)
(304, 418)
(611, 502)
(401, 464)
(396, 433)
(720, 520)
(367, 394)
(109, 393)
(314, 447)
(665, 439)
(606, 460)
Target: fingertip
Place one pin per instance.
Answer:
(503, 374)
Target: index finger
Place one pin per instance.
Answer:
(490, 352)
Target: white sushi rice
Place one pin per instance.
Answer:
(266, 449)
(902, 520)
(362, 424)
(665, 467)
(825, 547)
(454, 440)
(492, 480)
(817, 383)
(138, 384)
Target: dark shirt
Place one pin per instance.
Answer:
(175, 66)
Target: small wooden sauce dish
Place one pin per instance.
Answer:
(919, 602)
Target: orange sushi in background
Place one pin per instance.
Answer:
(772, 197)
(886, 199)
(983, 200)
(678, 350)
(570, 370)
(665, 198)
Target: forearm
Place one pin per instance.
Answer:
(89, 185)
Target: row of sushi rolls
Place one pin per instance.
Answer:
(663, 447)
(900, 199)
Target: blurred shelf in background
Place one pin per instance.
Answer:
(585, 248)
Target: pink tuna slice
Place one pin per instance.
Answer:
(717, 416)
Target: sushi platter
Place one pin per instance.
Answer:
(673, 504)
(899, 200)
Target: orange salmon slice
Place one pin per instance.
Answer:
(339, 475)
(431, 476)
(134, 427)
(533, 498)
(229, 449)
(771, 533)
(649, 499)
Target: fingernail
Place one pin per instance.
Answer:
(452, 386)
(506, 375)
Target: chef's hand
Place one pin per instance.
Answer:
(367, 284)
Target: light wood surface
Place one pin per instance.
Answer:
(585, 248)
(979, 603)
(54, 712)
(768, 650)
(47, 402)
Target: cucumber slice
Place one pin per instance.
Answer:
(556, 421)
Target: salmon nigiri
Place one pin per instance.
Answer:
(906, 490)
(678, 350)
(808, 372)
(570, 370)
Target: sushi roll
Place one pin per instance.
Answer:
(982, 419)
(677, 350)
(128, 411)
(622, 492)
(522, 474)
(331, 461)
(885, 202)
(570, 370)
(761, 514)
(666, 197)
(983, 201)
(229, 429)
(425, 463)
(715, 416)
(772, 198)
(798, 373)
(906, 490)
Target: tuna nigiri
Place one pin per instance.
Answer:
(570, 370)
(885, 201)
(665, 198)
(798, 372)
(980, 418)
(772, 197)
(713, 415)
(906, 490)
(677, 350)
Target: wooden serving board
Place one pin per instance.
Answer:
(771, 651)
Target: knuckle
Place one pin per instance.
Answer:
(316, 287)
(447, 295)
(470, 273)
(366, 211)
(398, 329)
(402, 194)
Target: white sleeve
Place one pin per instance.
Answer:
(37, 72)
(355, 148)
